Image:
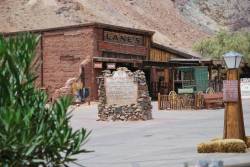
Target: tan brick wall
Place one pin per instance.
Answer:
(63, 52)
(122, 48)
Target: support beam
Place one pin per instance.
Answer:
(233, 119)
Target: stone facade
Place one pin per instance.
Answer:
(66, 90)
(141, 110)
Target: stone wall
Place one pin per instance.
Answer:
(141, 110)
(66, 90)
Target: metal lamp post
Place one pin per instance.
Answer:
(233, 116)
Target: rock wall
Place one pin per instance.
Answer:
(66, 90)
(159, 15)
(217, 14)
(142, 110)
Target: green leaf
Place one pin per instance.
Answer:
(30, 132)
(223, 42)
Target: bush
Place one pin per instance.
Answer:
(223, 146)
(222, 42)
(32, 134)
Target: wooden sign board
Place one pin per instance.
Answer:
(111, 66)
(230, 91)
(245, 87)
(186, 90)
(97, 64)
(123, 38)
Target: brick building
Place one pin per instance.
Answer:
(88, 49)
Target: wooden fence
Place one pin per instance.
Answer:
(174, 101)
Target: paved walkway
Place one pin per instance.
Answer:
(168, 140)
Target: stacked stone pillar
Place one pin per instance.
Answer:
(141, 109)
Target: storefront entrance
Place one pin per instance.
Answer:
(157, 81)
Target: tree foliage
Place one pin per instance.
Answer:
(223, 42)
(31, 133)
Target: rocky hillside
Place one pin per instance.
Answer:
(214, 14)
(178, 23)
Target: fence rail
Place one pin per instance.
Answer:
(179, 102)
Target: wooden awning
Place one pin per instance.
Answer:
(185, 61)
(116, 60)
(155, 63)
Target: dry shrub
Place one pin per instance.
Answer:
(223, 145)
(215, 139)
(248, 141)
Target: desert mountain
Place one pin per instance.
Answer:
(177, 23)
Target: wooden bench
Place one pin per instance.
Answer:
(213, 100)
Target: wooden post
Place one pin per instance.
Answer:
(166, 80)
(173, 78)
(153, 81)
(219, 72)
(159, 101)
(89, 99)
(217, 86)
(233, 116)
(210, 72)
(166, 75)
(153, 74)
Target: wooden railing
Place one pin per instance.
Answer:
(174, 101)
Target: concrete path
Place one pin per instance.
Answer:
(168, 140)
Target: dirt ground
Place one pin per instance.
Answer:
(169, 139)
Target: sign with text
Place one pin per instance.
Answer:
(245, 87)
(110, 65)
(97, 64)
(230, 91)
(123, 38)
(121, 89)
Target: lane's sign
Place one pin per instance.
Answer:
(123, 38)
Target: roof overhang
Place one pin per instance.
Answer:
(94, 24)
(175, 51)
